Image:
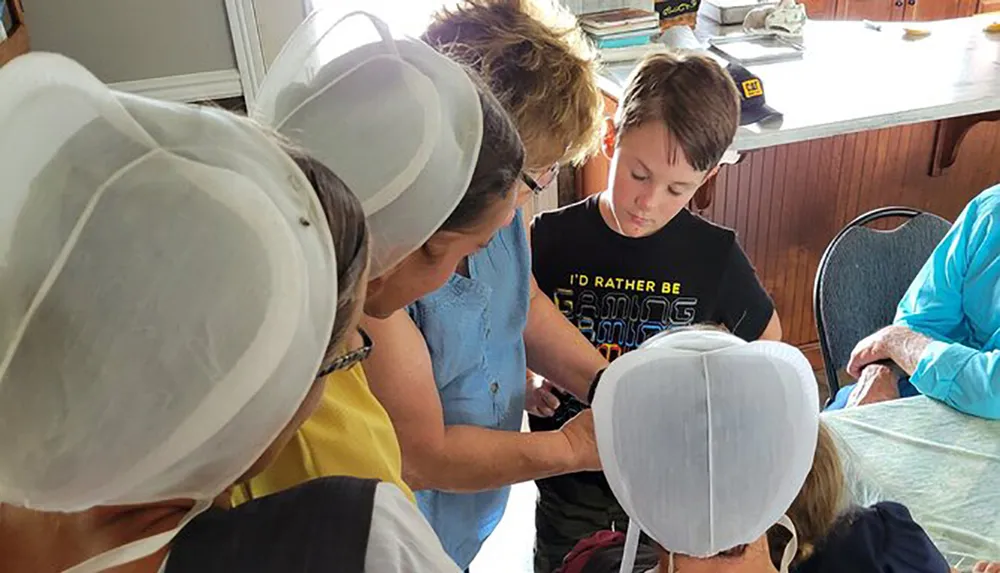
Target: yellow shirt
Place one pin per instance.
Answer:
(350, 434)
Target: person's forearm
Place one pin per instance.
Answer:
(556, 350)
(471, 459)
(906, 347)
(965, 378)
(773, 329)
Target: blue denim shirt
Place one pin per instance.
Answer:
(955, 299)
(473, 327)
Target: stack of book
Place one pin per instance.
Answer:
(623, 33)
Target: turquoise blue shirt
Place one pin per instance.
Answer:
(474, 329)
(955, 299)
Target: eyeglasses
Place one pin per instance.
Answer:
(345, 361)
(540, 184)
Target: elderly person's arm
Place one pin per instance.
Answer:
(964, 378)
(929, 339)
(459, 458)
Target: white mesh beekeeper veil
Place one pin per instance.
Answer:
(705, 439)
(398, 122)
(167, 291)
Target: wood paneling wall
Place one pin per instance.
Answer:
(787, 202)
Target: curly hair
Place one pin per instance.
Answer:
(538, 63)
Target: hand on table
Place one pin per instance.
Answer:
(877, 384)
(579, 432)
(539, 398)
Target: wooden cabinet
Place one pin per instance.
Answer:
(875, 10)
(907, 10)
(821, 9)
(988, 6)
(924, 10)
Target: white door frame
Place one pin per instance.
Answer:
(247, 44)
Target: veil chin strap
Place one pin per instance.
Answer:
(138, 549)
(792, 549)
(631, 547)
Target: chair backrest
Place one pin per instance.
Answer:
(862, 275)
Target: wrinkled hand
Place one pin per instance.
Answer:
(987, 567)
(877, 384)
(872, 349)
(579, 432)
(539, 398)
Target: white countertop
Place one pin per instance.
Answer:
(855, 79)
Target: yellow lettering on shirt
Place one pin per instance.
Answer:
(670, 288)
(625, 284)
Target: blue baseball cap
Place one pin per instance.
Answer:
(753, 106)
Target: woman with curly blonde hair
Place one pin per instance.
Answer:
(457, 402)
(540, 66)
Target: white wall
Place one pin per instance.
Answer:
(127, 40)
(276, 20)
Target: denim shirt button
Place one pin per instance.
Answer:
(494, 387)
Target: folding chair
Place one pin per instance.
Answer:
(861, 277)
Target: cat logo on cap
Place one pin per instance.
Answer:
(753, 106)
(752, 88)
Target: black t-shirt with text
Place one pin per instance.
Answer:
(619, 291)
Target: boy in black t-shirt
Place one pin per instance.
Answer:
(631, 261)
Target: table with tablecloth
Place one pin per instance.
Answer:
(942, 464)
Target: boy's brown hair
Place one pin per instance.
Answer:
(692, 96)
(538, 63)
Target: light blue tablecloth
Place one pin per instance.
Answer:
(943, 465)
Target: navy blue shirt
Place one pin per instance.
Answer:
(878, 539)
